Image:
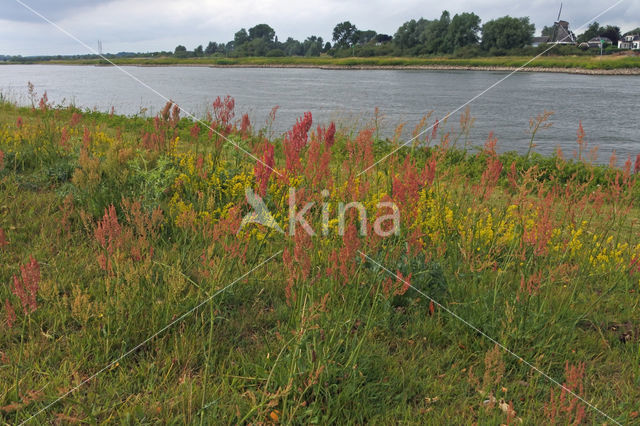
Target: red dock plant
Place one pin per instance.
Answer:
(223, 111)
(75, 119)
(107, 234)
(245, 126)
(397, 287)
(298, 265)
(264, 168)
(1, 160)
(3, 239)
(294, 141)
(342, 262)
(25, 287)
(327, 135)
(318, 160)
(566, 408)
(10, 314)
(195, 131)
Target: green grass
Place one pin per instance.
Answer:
(580, 62)
(297, 341)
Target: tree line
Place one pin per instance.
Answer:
(462, 35)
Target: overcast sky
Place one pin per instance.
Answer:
(152, 25)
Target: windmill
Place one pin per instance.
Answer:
(555, 24)
(561, 33)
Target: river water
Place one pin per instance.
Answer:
(607, 105)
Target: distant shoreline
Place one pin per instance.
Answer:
(607, 65)
(583, 71)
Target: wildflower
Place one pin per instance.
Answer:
(294, 141)
(64, 137)
(327, 135)
(9, 313)
(429, 172)
(636, 168)
(223, 111)
(493, 170)
(634, 266)
(287, 261)
(565, 408)
(107, 234)
(26, 286)
(195, 131)
(613, 159)
(263, 169)
(3, 239)
(86, 138)
(344, 260)
(245, 126)
(318, 159)
(361, 150)
(75, 119)
(434, 131)
(406, 187)
(402, 284)
(582, 144)
(44, 102)
(530, 286)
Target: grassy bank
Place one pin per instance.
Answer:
(127, 289)
(610, 62)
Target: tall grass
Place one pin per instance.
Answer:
(133, 222)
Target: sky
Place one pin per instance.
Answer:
(155, 25)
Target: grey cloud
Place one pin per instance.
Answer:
(54, 10)
(143, 25)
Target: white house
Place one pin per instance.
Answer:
(630, 41)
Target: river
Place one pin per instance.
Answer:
(606, 105)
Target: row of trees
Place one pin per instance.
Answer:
(260, 40)
(595, 30)
(446, 35)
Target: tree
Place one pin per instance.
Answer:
(433, 37)
(198, 51)
(312, 46)
(632, 32)
(407, 36)
(364, 37)
(548, 32)
(241, 37)
(257, 47)
(591, 32)
(180, 51)
(507, 33)
(211, 48)
(344, 34)
(383, 38)
(262, 31)
(463, 31)
(612, 33)
(292, 47)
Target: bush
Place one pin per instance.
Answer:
(275, 53)
(466, 52)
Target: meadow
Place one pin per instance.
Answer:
(131, 293)
(609, 62)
